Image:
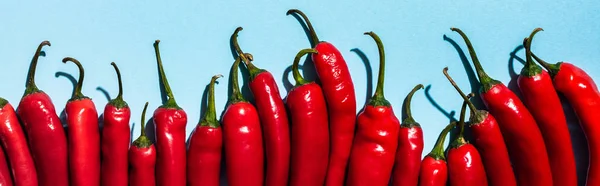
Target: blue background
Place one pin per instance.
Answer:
(195, 46)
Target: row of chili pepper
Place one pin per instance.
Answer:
(312, 137)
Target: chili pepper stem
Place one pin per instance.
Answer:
(530, 69)
(143, 140)
(486, 81)
(313, 35)
(551, 68)
(438, 149)
(3, 102)
(210, 117)
(118, 101)
(476, 116)
(409, 121)
(30, 86)
(378, 98)
(253, 70)
(460, 140)
(297, 76)
(236, 95)
(77, 93)
(171, 103)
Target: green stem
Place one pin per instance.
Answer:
(118, 101)
(311, 30)
(378, 98)
(410, 121)
(551, 68)
(530, 69)
(486, 81)
(461, 121)
(77, 93)
(171, 103)
(30, 87)
(253, 70)
(143, 121)
(210, 117)
(462, 94)
(120, 95)
(236, 93)
(438, 149)
(143, 141)
(297, 76)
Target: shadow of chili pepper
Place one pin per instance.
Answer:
(369, 73)
(63, 115)
(514, 76)
(473, 81)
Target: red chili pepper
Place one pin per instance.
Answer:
(5, 179)
(410, 148)
(45, 133)
(521, 135)
(489, 142)
(115, 139)
(543, 103)
(376, 140)
(310, 129)
(205, 146)
(582, 93)
(84, 135)
(434, 171)
(142, 158)
(169, 122)
(273, 119)
(15, 144)
(465, 167)
(244, 155)
(341, 102)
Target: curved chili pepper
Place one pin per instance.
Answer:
(205, 146)
(376, 140)
(15, 144)
(465, 167)
(84, 135)
(310, 129)
(489, 142)
(582, 93)
(5, 179)
(273, 120)
(341, 102)
(410, 148)
(543, 103)
(169, 122)
(244, 155)
(115, 139)
(142, 158)
(521, 135)
(45, 133)
(433, 171)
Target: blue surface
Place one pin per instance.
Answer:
(195, 45)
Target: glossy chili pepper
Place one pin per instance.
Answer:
(410, 148)
(15, 146)
(5, 178)
(244, 155)
(169, 122)
(489, 142)
(582, 93)
(142, 158)
(543, 103)
(115, 139)
(310, 130)
(273, 120)
(341, 102)
(434, 170)
(522, 137)
(376, 140)
(465, 167)
(45, 133)
(84, 135)
(205, 146)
